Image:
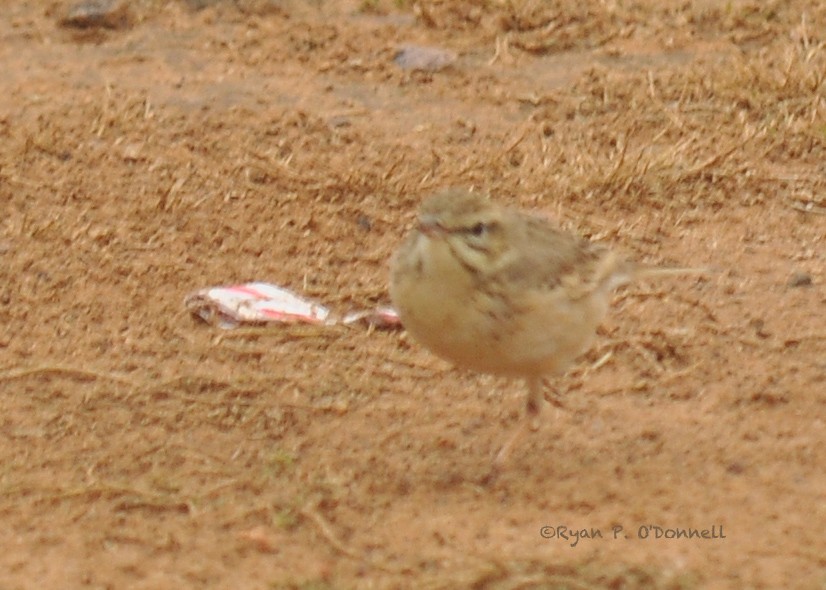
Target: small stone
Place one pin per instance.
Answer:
(736, 468)
(426, 59)
(800, 279)
(132, 152)
(364, 222)
(759, 327)
(95, 14)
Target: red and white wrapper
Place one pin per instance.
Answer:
(261, 303)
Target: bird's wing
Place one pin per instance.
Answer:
(547, 257)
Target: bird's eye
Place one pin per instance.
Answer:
(479, 229)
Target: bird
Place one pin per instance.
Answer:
(502, 291)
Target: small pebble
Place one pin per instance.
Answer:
(426, 59)
(800, 279)
(736, 468)
(94, 14)
(364, 222)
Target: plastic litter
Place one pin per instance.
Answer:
(263, 303)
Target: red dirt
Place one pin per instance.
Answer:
(279, 141)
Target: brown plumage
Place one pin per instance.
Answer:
(500, 291)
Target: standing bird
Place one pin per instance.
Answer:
(500, 291)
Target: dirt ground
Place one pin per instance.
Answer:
(193, 144)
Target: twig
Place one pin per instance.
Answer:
(809, 208)
(652, 92)
(501, 50)
(323, 527)
(96, 488)
(520, 138)
(721, 155)
(21, 372)
(602, 361)
(678, 374)
(171, 386)
(619, 162)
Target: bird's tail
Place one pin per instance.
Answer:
(628, 271)
(614, 271)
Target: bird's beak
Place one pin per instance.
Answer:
(430, 226)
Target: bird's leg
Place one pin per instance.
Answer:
(533, 410)
(534, 402)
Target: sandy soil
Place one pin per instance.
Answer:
(206, 143)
